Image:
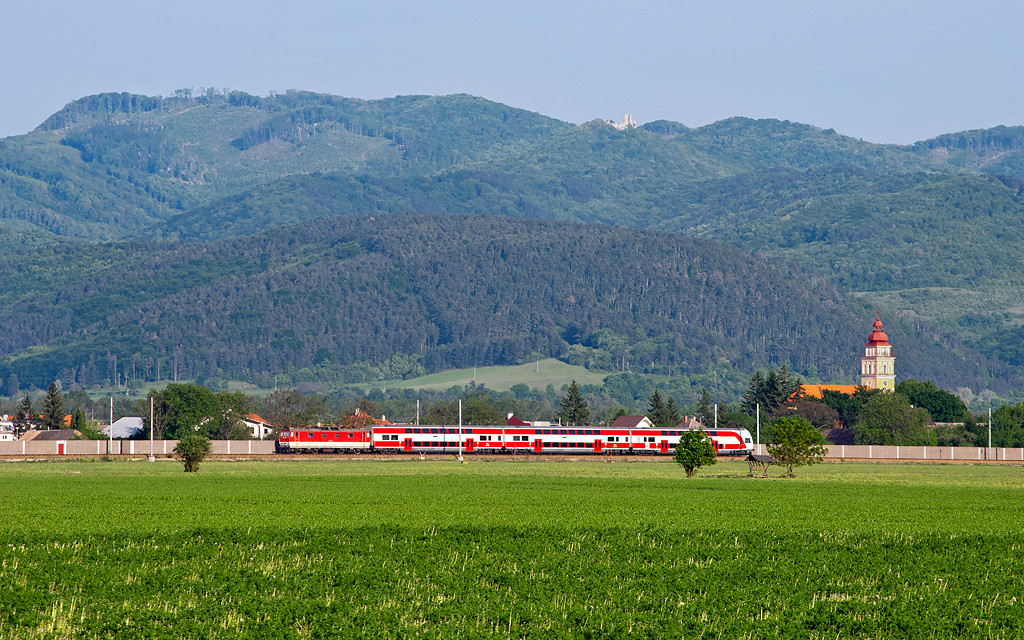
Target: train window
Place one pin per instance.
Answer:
(415, 430)
(536, 432)
(747, 440)
(712, 433)
(588, 432)
(547, 432)
(564, 432)
(309, 435)
(408, 430)
(664, 433)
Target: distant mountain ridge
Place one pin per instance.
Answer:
(885, 222)
(111, 165)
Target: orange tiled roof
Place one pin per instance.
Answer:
(255, 418)
(814, 390)
(360, 413)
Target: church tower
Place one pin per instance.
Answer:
(877, 365)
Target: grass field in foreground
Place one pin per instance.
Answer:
(432, 549)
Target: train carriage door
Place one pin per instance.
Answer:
(664, 446)
(597, 445)
(407, 444)
(538, 445)
(469, 445)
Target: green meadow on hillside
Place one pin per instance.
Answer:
(434, 549)
(536, 375)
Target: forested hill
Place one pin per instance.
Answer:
(427, 292)
(933, 229)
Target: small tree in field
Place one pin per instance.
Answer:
(694, 451)
(797, 443)
(191, 450)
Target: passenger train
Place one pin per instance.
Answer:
(501, 439)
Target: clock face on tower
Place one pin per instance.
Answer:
(885, 383)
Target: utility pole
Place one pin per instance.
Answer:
(152, 428)
(460, 429)
(989, 432)
(759, 427)
(110, 429)
(417, 412)
(716, 415)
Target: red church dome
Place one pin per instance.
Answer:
(877, 336)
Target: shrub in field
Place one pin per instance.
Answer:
(191, 450)
(797, 443)
(694, 451)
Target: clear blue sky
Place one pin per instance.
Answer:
(884, 71)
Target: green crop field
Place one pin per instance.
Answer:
(435, 549)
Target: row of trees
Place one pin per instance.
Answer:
(866, 417)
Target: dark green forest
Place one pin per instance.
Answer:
(130, 221)
(428, 292)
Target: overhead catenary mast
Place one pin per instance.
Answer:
(460, 429)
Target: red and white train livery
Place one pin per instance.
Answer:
(502, 439)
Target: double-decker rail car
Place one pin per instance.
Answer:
(323, 439)
(727, 441)
(420, 439)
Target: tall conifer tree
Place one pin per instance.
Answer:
(705, 410)
(23, 419)
(53, 408)
(573, 408)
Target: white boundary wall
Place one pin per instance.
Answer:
(126, 447)
(878, 452)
